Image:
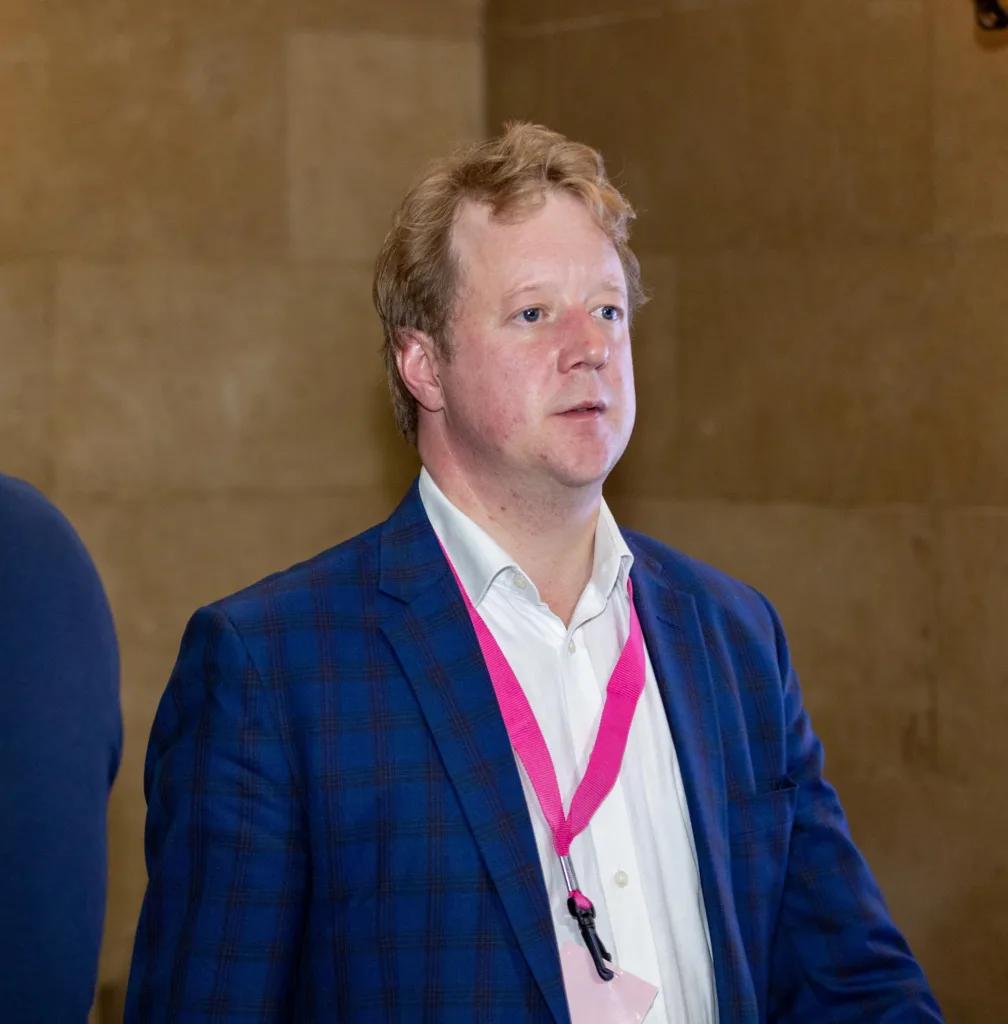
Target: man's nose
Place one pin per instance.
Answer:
(583, 342)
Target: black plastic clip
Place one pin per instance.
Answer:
(585, 917)
(991, 15)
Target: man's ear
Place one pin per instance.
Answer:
(418, 365)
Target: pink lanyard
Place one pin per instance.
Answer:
(622, 693)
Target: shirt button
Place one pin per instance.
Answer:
(622, 879)
(520, 582)
(572, 647)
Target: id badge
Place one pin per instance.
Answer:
(624, 1000)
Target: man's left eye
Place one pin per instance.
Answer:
(610, 312)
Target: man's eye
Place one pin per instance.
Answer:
(610, 312)
(532, 315)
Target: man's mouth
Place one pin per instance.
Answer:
(585, 409)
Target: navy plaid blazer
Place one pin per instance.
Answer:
(336, 828)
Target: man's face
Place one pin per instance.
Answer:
(540, 385)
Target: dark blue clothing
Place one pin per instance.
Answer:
(60, 743)
(337, 831)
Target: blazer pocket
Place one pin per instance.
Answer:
(762, 813)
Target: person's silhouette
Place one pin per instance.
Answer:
(60, 744)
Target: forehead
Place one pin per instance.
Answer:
(558, 235)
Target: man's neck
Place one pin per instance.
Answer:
(551, 536)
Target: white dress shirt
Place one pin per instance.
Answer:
(636, 861)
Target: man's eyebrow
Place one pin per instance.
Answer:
(609, 284)
(521, 289)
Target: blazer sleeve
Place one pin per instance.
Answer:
(223, 917)
(837, 955)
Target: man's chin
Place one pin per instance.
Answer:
(586, 468)
(584, 473)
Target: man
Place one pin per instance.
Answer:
(355, 778)
(60, 743)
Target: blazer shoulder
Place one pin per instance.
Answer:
(728, 600)
(342, 572)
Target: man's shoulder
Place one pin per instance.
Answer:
(28, 517)
(338, 576)
(43, 561)
(715, 592)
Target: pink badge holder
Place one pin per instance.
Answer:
(624, 1000)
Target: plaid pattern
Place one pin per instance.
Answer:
(336, 828)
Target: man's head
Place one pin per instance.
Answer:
(505, 290)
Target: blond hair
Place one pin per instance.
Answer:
(416, 274)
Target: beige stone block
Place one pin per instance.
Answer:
(512, 17)
(127, 874)
(429, 19)
(673, 141)
(770, 121)
(25, 217)
(164, 135)
(855, 591)
(534, 17)
(850, 374)
(972, 445)
(973, 549)
(539, 17)
(195, 17)
(160, 560)
(25, 373)
(970, 74)
(110, 1003)
(651, 451)
(186, 377)
(810, 375)
(517, 17)
(937, 848)
(365, 115)
(838, 119)
(518, 81)
(19, 17)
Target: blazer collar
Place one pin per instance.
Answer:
(678, 651)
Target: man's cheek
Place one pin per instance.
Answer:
(510, 422)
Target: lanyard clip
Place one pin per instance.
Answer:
(582, 910)
(585, 917)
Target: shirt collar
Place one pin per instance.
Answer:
(479, 559)
(613, 559)
(476, 556)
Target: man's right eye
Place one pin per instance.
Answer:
(532, 315)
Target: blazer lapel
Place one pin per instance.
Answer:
(430, 630)
(678, 653)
